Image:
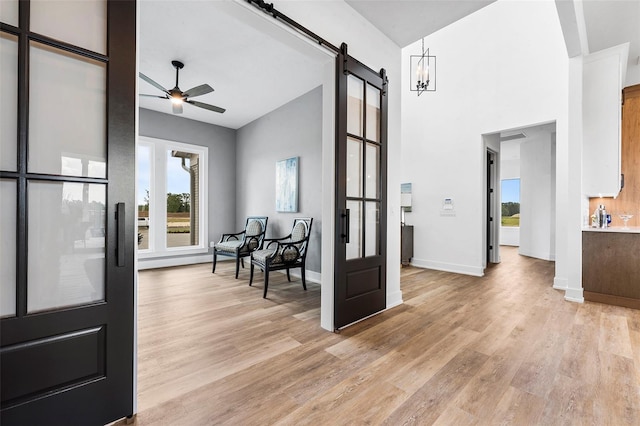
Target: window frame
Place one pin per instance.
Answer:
(157, 247)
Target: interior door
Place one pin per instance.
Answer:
(361, 205)
(67, 222)
(491, 201)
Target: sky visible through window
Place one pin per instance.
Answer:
(178, 180)
(510, 191)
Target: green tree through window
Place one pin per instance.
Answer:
(510, 193)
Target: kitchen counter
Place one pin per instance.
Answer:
(630, 230)
(610, 267)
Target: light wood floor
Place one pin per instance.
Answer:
(502, 349)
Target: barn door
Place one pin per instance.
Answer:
(67, 220)
(361, 204)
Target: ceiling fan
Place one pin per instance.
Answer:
(178, 97)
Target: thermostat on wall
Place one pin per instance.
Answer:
(447, 207)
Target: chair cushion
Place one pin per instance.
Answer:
(228, 246)
(288, 254)
(299, 231)
(254, 227)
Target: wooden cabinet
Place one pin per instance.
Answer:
(406, 244)
(610, 267)
(603, 78)
(628, 199)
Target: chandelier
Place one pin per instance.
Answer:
(423, 72)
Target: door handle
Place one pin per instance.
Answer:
(347, 216)
(120, 230)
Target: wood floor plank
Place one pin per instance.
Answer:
(570, 402)
(518, 407)
(431, 400)
(500, 349)
(614, 335)
(493, 378)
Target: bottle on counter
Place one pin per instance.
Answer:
(602, 216)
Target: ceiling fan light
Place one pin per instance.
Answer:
(176, 99)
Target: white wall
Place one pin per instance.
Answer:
(537, 197)
(503, 67)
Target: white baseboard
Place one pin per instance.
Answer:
(560, 283)
(394, 299)
(165, 262)
(314, 277)
(537, 255)
(574, 295)
(449, 267)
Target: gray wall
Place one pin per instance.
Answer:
(293, 130)
(221, 142)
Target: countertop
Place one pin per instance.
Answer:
(629, 230)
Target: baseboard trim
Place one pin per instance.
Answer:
(542, 256)
(560, 283)
(314, 277)
(612, 300)
(166, 262)
(574, 295)
(394, 299)
(449, 267)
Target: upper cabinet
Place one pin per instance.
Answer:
(602, 80)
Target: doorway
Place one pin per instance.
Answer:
(526, 156)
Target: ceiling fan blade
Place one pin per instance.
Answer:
(177, 108)
(203, 89)
(153, 96)
(153, 83)
(207, 106)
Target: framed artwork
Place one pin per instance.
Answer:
(287, 185)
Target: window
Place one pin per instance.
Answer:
(171, 197)
(510, 193)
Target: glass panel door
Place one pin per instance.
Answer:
(67, 140)
(8, 101)
(66, 90)
(8, 221)
(360, 250)
(66, 264)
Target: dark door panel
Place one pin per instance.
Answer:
(66, 351)
(361, 204)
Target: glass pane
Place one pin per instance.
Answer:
(354, 247)
(372, 229)
(355, 99)
(8, 248)
(66, 263)
(9, 12)
(183, 171)
(8, 101)
(82, 23)
(373, 113)
(373, 168)
(143, 170)
(354, 168)
(67, 114)
(510, 194)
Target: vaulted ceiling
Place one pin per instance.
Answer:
(255, 67)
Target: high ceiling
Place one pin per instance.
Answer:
(610, 23)
(406, 21)
(255, 67)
